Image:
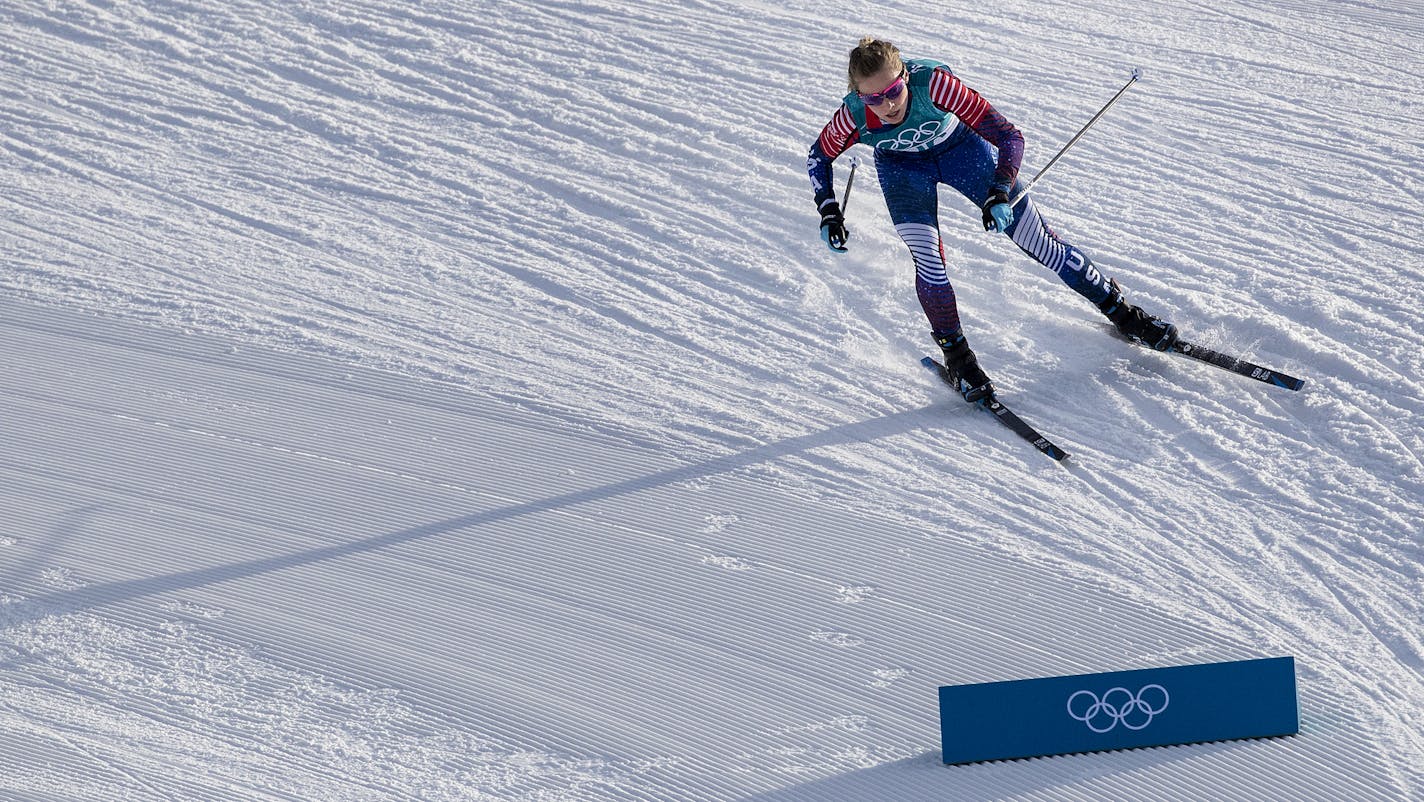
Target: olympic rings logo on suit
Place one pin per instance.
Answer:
(931, 133)
(1118, 706)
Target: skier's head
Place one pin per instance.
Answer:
(877, 74)
(870, 58)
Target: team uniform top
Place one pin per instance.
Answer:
(940, 104)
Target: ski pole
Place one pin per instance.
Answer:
(1019, 195)
(854, 163)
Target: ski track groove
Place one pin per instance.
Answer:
(291, 452)
(290, 755)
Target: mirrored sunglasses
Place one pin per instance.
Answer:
(888, 93)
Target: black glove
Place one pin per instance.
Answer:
(1001, 218)
(833, 230)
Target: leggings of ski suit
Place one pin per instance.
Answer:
(966, 162)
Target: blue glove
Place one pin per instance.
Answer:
(998, 214)
(833, 230)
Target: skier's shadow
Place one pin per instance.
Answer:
(99, 595)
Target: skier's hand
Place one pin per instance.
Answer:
(998, 214)
(833, 230)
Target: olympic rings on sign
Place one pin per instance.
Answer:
(1118, 706)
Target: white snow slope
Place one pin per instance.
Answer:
(438, 400)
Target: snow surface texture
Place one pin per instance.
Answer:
(454, 401)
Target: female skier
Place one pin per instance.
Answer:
(929, 128)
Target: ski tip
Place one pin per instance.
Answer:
(929, 362)
(1277, 379)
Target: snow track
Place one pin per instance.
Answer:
(473, 415)
(535, 592)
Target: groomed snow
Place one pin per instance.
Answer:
(443, 401)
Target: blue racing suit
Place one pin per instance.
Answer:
(952, 136)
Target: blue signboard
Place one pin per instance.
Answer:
(1119, 710)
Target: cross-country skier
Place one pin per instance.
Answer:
(928, 128)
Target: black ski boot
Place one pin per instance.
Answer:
(963, 367)
(1135, 324)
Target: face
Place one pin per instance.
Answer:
(890, 110)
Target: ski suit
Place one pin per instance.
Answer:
(949, 136)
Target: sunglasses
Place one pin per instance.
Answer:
(888, 93)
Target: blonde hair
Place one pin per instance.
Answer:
(869, 57)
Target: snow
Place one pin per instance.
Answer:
(454, 401)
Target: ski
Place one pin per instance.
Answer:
(1236, 365)
(1006, 416)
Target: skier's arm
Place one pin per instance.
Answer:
(953, 95)
(838, 135)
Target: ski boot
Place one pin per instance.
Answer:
(1135, 324)
(963, 367)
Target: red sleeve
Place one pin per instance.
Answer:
(839, 134)
(953, 95)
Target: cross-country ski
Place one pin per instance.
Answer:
(1237, 365)
(1001, 412)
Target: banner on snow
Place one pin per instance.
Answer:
(1119, 710)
